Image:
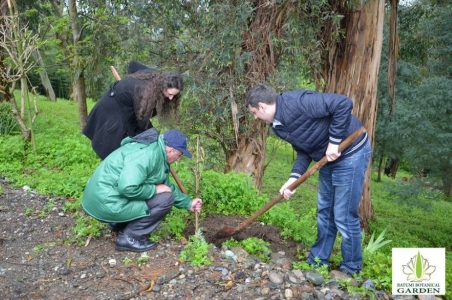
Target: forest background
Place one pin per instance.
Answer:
(222, 48)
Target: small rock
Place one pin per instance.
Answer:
(100, 274)
(239, 275)
(275, 278)
(288, 293)
(370, 285)
(338, 275)
(298, 273)
(315, 277)
(112, 262)
(156, 288)
(265, 291)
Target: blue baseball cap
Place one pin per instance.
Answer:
(177, 140)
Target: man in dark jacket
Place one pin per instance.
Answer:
(315, 124)
(131, 190)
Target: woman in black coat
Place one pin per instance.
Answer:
(126, 108)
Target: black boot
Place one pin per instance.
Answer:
(125, 242)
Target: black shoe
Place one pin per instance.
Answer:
(117, 227)
(128, 243)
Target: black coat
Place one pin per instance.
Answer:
(114, 117)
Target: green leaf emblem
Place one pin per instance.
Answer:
(418, 269)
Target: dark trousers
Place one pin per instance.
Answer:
(159, 206)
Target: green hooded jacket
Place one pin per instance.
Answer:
(126, 179)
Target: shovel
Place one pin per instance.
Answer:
(228, 231)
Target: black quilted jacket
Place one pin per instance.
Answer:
(309, 121)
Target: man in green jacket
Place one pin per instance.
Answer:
(131, 189)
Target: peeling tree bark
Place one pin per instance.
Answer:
(249, 156)
(352, 70)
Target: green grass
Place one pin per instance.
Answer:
(65, 160)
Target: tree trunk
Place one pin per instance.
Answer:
(250, 155)
(43, 74)
(352, 70)
(447, 182)
(5, 92)
(380, 167)
(80, 96)
(77, 67)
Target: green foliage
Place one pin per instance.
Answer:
(448, 273)
(254, 246)
(374, 245)
(196, 251)
(64, 159)
(48, 207)
(377, 266)
(394, 218)
(173, 225)
(142, 259)
(413, 194)
(318, 266)
(376, 262)
(301, 227)
(85, 227)
(126, 260)
(39, 248)
(423, 76)
(231, 193)
(360, 292)
(7, 121)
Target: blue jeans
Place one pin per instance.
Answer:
(340, 190)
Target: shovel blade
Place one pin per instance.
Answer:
(225, 232)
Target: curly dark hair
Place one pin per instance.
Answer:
(150, 98)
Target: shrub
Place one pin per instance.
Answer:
(231, 193)
(7, 121)
(196, 251)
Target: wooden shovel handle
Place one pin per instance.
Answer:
(173, 173)
(115, 73)
(179, 183)
(347, 142)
